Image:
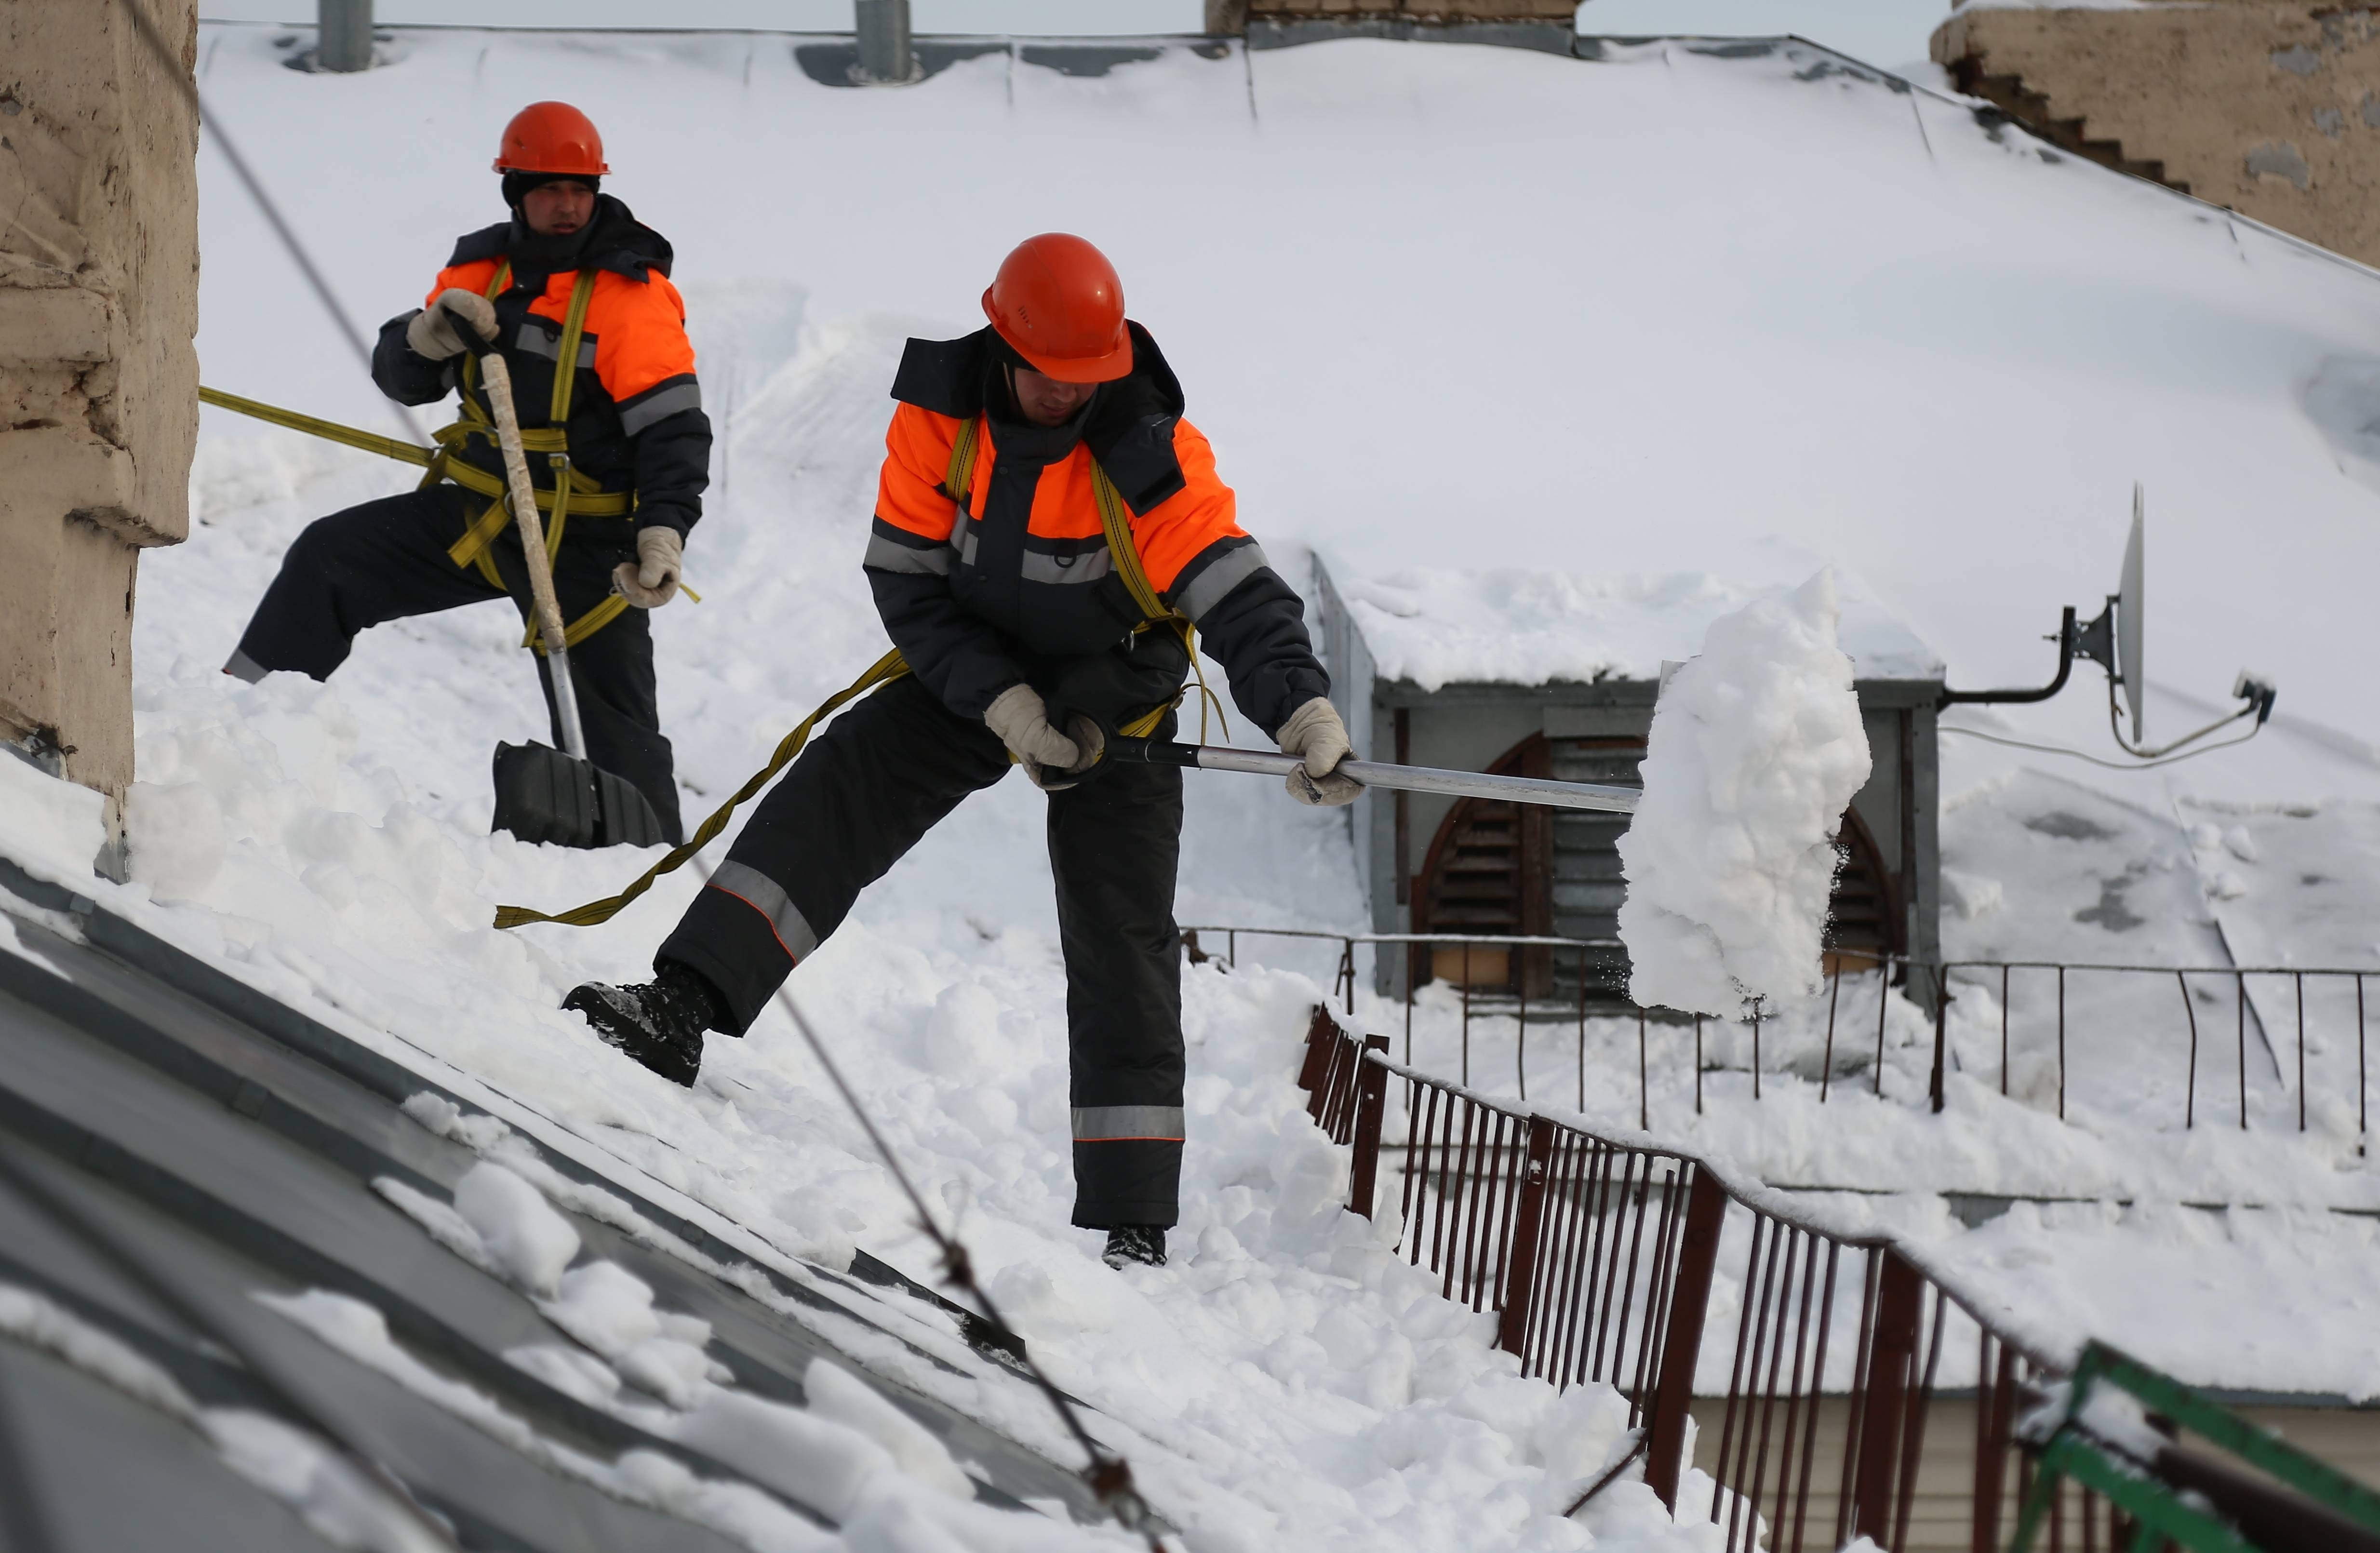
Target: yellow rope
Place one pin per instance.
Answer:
(882, 672)
(329, 430)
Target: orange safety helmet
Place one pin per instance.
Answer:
(1058, 302)
(551, 137)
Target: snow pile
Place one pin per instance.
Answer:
(1756, 749)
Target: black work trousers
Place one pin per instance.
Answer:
(862, 795)
(386, 560)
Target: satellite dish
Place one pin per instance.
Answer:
(2129, 669)
(2113, 642)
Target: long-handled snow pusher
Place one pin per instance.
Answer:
(544, 793)
(1376, 773)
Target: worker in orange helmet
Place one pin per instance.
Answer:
(618, 447)
(1036, 629)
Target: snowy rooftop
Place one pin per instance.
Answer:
(1688, 317)
(1516, 627)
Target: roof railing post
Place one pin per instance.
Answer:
(1893, 1354)
(1937, 1081)
(1318, 1031)
(1371, 1106)
(1682, 1339)
(1521, 1270)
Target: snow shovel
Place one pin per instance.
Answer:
(543, 794)
(1375, 773)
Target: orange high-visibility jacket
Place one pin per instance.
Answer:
(636, 420)
(1015, 584)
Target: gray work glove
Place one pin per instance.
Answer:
(432, 332)
(1021, 720)
(651, 580)
(1318, 739)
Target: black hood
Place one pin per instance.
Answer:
(1128, 425)
(614, 240)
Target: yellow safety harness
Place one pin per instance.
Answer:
(573, 492)
(958, 480)
(1115, 522)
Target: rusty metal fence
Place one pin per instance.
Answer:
(1854, 1391)
(2226, 1016)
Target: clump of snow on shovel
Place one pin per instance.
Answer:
(1755, 751)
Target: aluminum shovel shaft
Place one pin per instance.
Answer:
(1378, 773)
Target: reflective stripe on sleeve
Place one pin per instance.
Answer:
(659, 404)
(1218, 577)
(891, 555)
(764, 896)
(1127, 1123)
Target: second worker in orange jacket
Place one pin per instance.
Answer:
(620, 427)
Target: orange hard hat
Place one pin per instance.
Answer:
(551, 137)
(1058, 302)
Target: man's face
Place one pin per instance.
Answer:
(556, 210)
(1046, 401)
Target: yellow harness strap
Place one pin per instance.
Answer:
(882, 672)
(572, 490)
(1124, 550)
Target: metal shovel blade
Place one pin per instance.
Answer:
(546, 795)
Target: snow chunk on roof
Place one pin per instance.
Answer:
(1531, 627)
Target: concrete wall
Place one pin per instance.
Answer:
(2270, 109)
(99, 299)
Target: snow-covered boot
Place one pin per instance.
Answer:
(659, 1023)
(1128, 1243)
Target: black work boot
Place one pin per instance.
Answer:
(1128, 1243)
(659, 1023)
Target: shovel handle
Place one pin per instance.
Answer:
(1377, 773)
(496, 375)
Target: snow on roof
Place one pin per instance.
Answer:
(1653, 313)
(1527, 628)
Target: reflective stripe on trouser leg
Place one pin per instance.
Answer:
(879, 777)
(1113, 845)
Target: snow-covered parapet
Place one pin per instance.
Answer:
(1756, 749)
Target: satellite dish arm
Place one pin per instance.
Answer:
(2067, 633)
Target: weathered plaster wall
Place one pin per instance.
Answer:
(99, 270)
(2271, 109)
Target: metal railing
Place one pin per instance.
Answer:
(2030, 1006)
(1600, 1258)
